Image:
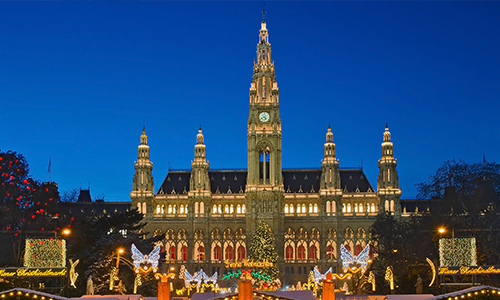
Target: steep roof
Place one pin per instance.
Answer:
(352, 180)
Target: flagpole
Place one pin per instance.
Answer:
(50, 169)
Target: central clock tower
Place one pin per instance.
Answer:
(264, 189)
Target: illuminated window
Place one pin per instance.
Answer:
(184, 253)
(330, 252)
(172, 252)
(313, 253)
(289, 253)
(301, 253)
(217, 253)
(229, 255)
(201, 253)
(241, 253)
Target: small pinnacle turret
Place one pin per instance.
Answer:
(142, 184)
(199, 183)
(388, 179)
(330, 179)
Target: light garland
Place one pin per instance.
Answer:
(45, 253)
(454, 252)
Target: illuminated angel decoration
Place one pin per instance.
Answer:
(371, 279)
(199, 277)
(142, 262)
(73, 275)
(361, 258)
(318, 277)
(389, 276)
(212, 279)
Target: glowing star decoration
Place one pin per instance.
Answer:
(389, 276)
(143, 262)
(72, 272)
(371, 279)
(361, 258)
(318, 277)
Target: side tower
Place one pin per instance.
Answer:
(388, 180)
(330, 177)
(199, 183)
(330, 189)
(143, 185)
(264, 190)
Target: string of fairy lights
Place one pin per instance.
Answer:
(457, 252)
(45, 253)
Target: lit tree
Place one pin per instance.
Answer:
(262, 248)
(28, 207)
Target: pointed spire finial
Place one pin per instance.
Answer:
(264, 14)
(199, 137)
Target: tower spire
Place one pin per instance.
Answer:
(199, 183)
(329, 166)
(388, 179)
(143, 184)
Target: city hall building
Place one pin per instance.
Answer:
(208, 216)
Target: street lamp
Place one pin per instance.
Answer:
(118, 252)
(114, 273)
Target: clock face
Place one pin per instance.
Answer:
(264, 117)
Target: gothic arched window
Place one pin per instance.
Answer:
(217, 253)
(301, 253)
(313, 253)
(241, 253)
(289, 253)
(229, 253)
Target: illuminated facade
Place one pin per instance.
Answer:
(208, 216)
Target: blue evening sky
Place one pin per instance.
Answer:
(79, 79)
